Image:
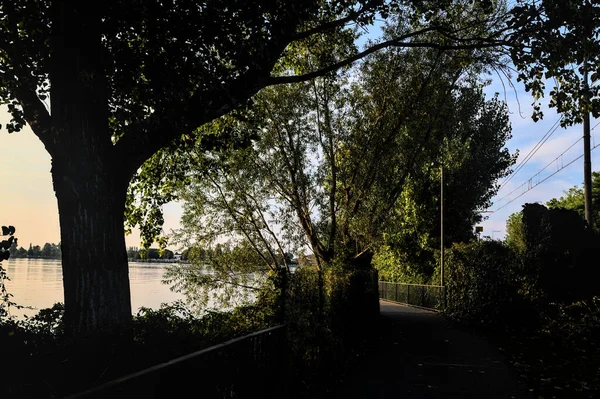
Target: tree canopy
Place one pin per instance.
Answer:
(574, 200)
(556, 42)
(333, 160)
(106, 85)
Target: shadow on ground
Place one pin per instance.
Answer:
(420, 355)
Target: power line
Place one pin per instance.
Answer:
(532, 152)
(531, 183)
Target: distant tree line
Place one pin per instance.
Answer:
(52, 251)
(134, 253)
(48, 251)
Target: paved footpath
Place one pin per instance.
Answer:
(421, 356)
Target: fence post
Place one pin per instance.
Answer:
(396, 296)
(408, 294)
(444, 300)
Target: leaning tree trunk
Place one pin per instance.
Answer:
(90, 184)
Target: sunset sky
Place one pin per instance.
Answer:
(28, 200)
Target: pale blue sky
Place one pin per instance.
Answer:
(526, 135)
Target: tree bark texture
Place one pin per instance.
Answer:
(90, 186)
(94, 259)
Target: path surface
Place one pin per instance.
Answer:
(420, 356)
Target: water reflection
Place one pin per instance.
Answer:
(38, 283)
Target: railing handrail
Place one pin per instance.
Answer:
(170, 363)
(427, 296)
(414, 285)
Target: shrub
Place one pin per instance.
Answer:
(401, 266)
(5, 246)
(326, 333)
(554, 249)
(481, 283)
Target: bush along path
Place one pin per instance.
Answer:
(420, 355)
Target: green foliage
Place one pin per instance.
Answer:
(174, 329)
(46, 363)
(405, 266)
(468, 138)
(515, 238)
(574, 199)
(326, 335)
(141, 76)
(535, 297)
(482, 283)
(461, 130)
(332, 157)
(569, 344)
(555, 41)
(323, 342)
(47, 322)
(554, 247)
(320, 49)
(5, 246)
(154, 253)
(224, 277)
(577, 323)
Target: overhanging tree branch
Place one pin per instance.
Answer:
(399, 42)
(143, 140)
(325, 27)
(37, 117)
(234, 215)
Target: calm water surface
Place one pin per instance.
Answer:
(38, 283)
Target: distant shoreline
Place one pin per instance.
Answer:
(128, 260)
(159, 261)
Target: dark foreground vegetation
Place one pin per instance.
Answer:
(324, 337)
(535, 296)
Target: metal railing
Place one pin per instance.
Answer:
(236, 368)
(425, 296)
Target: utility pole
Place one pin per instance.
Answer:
(587, 162)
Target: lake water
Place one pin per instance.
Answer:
(38, 283)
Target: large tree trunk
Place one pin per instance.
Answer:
(94, 260)
(90, 184)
